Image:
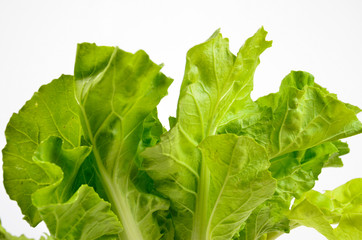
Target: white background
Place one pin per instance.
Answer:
(38, 43)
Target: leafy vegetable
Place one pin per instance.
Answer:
(342, 205)
(88, 156)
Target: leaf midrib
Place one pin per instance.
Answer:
(116, 197)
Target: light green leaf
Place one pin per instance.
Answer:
(300, 126)
(89, 156)
(112, 124)
(215, 82)
(342, 205)
(69, 214)
(239, 182)
(52, 111)
(297, 171)
(300, 110)
(84, 216)
(255, 122)
(265, 219)
(335, 160)
(63, 164)
(172, 121)
(296, 174)
(307, 122)
(116, 92)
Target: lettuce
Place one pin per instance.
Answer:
(88, 155)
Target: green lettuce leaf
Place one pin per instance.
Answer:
(335, 160)
(342, 206)
(61, 201)
(52, 111)
(301, 109)
(297, 171)
(305, 134)
(116, 91)
(215, 83)
(239, 182)
(72, 152)
(88, 155)
(296, 174)
(267, 218)
(300, 127)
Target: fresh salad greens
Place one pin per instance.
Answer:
(88, 156)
